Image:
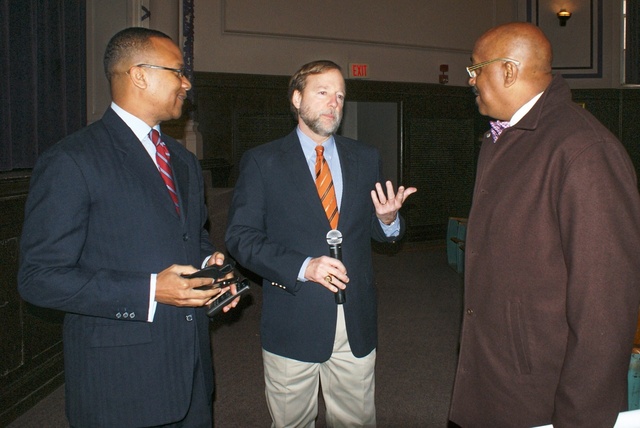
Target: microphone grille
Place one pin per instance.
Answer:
(334, 237)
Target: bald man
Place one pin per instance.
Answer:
(552, 269)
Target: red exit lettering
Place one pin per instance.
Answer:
(359, 70)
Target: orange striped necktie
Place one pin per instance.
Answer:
(326, 191)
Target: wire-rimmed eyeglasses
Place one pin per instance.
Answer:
(179, 71)
(472, 69)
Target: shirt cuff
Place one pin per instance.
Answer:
(392, 229)
(303, 269)
(204, 263)
(152, 298)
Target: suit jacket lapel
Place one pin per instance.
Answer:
(180, 176)
(349, 166)
(136, 160)
(295, 161)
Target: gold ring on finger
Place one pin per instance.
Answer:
(328, 278)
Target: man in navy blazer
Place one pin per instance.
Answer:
(104, 242)
(277, 228)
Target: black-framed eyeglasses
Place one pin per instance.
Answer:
(179, 71)
(472, 69)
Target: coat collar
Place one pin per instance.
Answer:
(136, 160)
(557, 91)
(294, 157)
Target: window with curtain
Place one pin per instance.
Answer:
(42, 77)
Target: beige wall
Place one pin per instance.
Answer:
(104, 19)
(400, 40)
(594, 31)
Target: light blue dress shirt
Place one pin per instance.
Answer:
(333, 160)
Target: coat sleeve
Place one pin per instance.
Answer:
(54, 234)
(246, 236)
(599, 212)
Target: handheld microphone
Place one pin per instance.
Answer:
(334, 239)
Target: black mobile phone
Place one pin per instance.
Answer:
(213, 271)
(222, 301)
(219, 284)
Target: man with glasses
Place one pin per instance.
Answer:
(552, 268)
(114, 219)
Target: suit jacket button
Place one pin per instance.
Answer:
(189, 318)
(185, 237)
(132, 315)
(118, 315)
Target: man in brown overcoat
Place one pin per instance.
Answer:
(552, 269)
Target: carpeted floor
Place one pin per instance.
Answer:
(420, 300)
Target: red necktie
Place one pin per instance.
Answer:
(326, 191)
(163, 158)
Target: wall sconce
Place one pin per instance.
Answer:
(563, 16)
(444, 78)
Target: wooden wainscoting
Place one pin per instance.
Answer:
(438, 130)
(31, 363)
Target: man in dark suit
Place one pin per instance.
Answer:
(277, 228)
(106, 241)
(552, 268)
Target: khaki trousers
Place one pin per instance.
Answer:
(348, 387)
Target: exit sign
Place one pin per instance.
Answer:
(358, 71)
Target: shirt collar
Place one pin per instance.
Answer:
(522, 111)
(309, 146)
(137, 125)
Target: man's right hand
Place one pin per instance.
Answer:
(328, 272)
(173, 289)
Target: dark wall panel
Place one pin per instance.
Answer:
(440, 131)
(31, 363)
(630, 124)
(438, 127)
(439, 142)
(442, 165)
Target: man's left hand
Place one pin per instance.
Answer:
(218, 259)
(387, 206)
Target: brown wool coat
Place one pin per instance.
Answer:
(552, 274)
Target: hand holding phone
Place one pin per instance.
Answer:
(222, 301)
(212, 271)
(219, 284)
